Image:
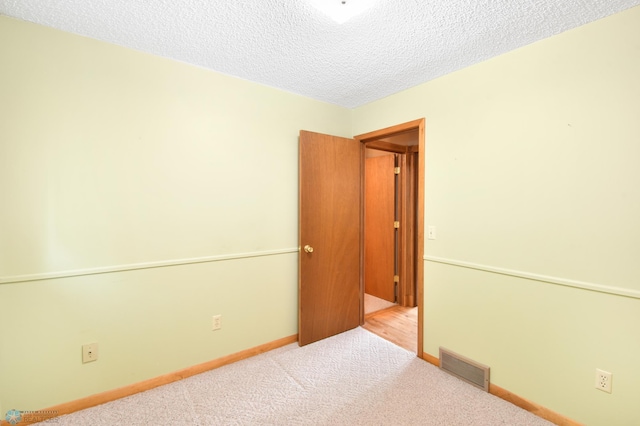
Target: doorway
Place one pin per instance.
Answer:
(331, 231)
(392, 240)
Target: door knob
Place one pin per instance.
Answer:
(308, 248)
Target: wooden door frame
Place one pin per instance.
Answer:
(419, 255)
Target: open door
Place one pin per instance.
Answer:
(379, 217)
(329, 236)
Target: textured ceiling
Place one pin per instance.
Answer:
(289, 44)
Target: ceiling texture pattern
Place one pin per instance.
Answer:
(290, 45)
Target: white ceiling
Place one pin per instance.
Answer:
(290, 45)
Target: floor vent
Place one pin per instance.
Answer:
(465, 369)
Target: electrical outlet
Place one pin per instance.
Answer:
(216, 323)
(603, 380)
(89, 352)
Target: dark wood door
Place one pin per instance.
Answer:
(329, 236)
(379, 233)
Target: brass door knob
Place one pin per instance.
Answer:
(308, 248)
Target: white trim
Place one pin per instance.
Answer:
(145, 265)
(620, 291)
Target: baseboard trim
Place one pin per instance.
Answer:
(112, 395)
(523, 403)
(371, 314)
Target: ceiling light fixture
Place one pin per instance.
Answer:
(342, 10)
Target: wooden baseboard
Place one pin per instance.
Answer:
(112, 395)
(431, 359)
(532, 407)
(371, 314)
(523, 403)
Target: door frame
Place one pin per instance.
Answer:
(419, 255)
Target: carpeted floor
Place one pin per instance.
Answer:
(355, 378)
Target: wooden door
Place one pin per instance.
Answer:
(379, 233)
(329, 236)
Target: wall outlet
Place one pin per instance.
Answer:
(216, 322)
(603, 380)
(89, 352)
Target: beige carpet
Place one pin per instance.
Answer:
(355, 378)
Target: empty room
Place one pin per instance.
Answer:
(183, 194)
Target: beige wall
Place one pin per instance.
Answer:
(532, 181)
(111, 159)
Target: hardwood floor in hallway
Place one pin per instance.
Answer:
(398, 324)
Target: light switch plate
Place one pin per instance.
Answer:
(431, 232)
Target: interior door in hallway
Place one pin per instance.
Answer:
(379, 232)
(329, 236)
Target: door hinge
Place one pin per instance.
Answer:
(396, 170)
(396, 278)
(396, 224)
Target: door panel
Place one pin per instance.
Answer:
(329, 218)
(379, 234)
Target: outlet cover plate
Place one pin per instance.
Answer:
(89, 352)
(216, 322)
(603, 380)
